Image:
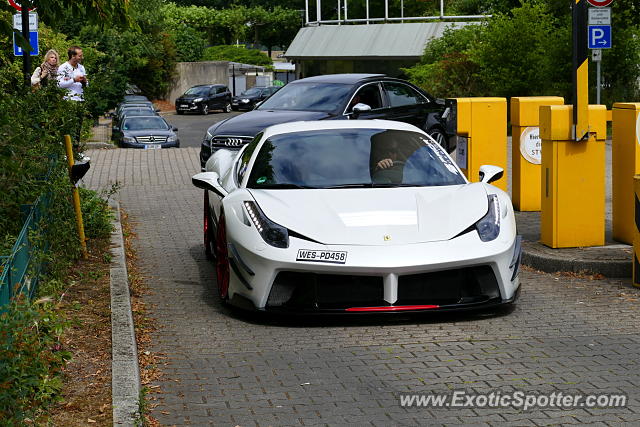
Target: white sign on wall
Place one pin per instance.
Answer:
(531, 145)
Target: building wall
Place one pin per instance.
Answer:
(198, 73)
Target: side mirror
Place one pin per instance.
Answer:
(175, 129)
(490, 173)
(209, 181)
(360, 108)
(157, 110)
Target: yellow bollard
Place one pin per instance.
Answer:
(76, 198)
(526, 149)
(572, 178)
(636, 232)
(482, 124)
(625, 163)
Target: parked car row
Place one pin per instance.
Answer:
(248, 99)
(136, 124)
(337, 97)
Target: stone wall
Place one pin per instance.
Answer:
(197, 73)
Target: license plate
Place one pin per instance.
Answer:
(184, 106)
(152, 146)
(313, 255)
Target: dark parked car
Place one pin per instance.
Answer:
(204, 98)
(338, 96)
(250, 97)
(131, 111)
(135, 98)
(146, 132)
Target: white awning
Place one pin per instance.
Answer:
(391, 41)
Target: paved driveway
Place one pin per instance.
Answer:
(192, 126)
(566, 334)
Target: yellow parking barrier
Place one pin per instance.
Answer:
(625, 163)
(572, 178)
(636, 232)
(76, 198)
(526, 149)
(482, 136)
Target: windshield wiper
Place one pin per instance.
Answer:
(391, 185)
(280, 186)
(362, 185)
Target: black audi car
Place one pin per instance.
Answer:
(248, 99)
(204, 98)
(338, 97)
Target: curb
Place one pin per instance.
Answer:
(98, 145)
(125, 376)
(535, 256)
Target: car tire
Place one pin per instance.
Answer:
(440, 137)
(227, 108)
(178, 112)
(204, 109)
(223, 271)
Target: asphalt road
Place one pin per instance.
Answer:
(192, 126)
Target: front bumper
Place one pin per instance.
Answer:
(187, 106)
(143, 146)
(420, 277)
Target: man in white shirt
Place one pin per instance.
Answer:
(72, 75)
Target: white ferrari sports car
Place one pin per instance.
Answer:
(356, 217)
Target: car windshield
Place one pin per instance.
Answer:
(198, 90)
(252, 91)
(308, 97)
(342, 158)
(139, 123)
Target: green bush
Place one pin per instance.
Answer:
(31, 359)
(237, 54)
(189, 43)
(96, 215)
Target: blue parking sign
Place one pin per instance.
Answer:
(599, 36)
(33, 41)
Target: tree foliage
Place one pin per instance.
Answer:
(236, 54)
(527, 50)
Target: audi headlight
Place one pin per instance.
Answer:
(198, 100)
(245, 101)
(128, 139)
(489, 226)
(272, 233)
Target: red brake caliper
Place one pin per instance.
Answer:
(222, 258)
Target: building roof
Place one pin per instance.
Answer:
(391, 41)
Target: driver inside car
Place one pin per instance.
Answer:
(388, 164)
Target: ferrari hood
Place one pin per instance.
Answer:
(376, 216)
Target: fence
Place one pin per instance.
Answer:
(20, 271)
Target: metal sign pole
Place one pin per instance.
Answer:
(580, 71)
(26, 53)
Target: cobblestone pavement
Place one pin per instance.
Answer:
(226, 368)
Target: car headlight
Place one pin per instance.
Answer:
(245, 101)
(489, 226)
(173, 138)
(272, 233)
(128, 139)
(198, 100)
